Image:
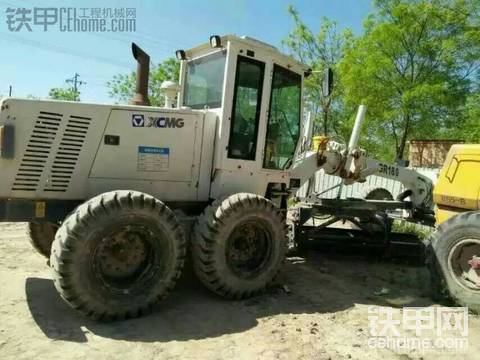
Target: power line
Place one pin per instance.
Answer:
(64, 50)
(172, 46)
(164, 45)
(161, 45)
(9, 4)
(129, 41)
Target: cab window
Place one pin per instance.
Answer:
(204, 81)
(283, 119)
(246, 109)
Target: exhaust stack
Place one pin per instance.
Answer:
(143, 68)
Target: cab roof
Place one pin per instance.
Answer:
(249, 43)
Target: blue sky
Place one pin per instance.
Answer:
(33, 62)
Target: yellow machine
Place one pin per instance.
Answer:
(454, 249)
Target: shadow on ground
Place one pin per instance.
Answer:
(316, 283)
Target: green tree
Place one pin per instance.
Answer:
(471, 126)
(122, 86)
(413, 67)
(470, 129)
(68, 94)
(320, 51)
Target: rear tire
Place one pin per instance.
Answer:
(373, 224)
(451, 247)
(41, 236)
(117, 255)
(376, 193)
(239, 245)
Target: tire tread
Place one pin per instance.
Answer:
(68, 239)
(204, 241)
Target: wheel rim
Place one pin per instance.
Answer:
(123, 257)
(248, 248)
(464, 263)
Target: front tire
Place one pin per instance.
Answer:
(117, 255)
(452, 253)
(239, 245)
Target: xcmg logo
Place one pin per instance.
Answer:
(138, 120)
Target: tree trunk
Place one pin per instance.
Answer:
(325, 121)
(403, 142)
(326, 113)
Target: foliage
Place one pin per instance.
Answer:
(423, 232)
(414, 68)
(68, 94)
(320, 51)
(122, 86)
(471, 126)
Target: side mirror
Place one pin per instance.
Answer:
(327, 82)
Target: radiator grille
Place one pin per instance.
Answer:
(52, 138)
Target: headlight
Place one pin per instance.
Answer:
(180, 54)
(215, 41)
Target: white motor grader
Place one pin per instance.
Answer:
(107, 189)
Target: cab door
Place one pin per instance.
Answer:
(246, 160)
(246, 109)
(283, 120)
(239, 147)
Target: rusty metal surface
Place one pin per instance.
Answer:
(143, 69)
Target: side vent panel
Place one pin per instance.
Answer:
(52, 153)
(38, 150)
(67, 154)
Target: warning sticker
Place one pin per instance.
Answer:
(40, 209)
(153, 159)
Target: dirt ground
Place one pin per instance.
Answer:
(321, 314)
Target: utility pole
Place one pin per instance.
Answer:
(74, 80)
(10, 91)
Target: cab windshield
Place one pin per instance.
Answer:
(204, 81)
